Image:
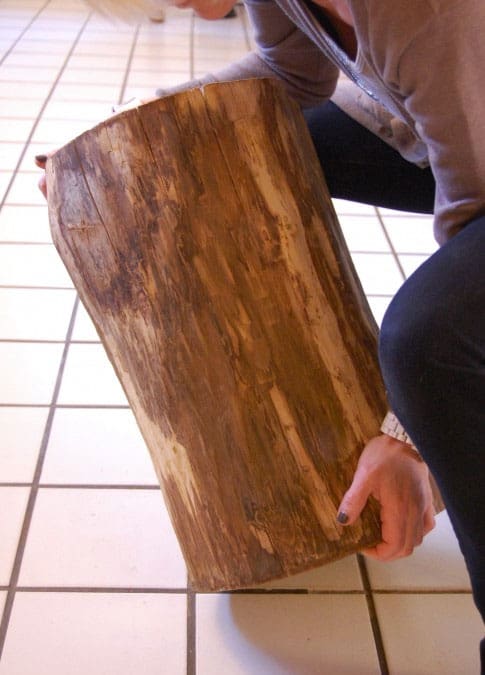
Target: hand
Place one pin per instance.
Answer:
(40, 161)
(397, 477)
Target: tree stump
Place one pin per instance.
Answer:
(199, 235)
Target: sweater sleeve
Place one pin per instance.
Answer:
(283, 52)
(440, 76)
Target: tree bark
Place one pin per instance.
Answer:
(203, 243)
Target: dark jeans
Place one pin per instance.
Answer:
(432, 341)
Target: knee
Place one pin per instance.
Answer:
(434, 327)
(404, 341)
(417, 333)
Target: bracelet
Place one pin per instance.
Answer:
(393, 427)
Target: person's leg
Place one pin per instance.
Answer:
(432, 353)
(360, 167)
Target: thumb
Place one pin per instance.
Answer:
(353, 501)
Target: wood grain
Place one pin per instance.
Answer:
(201, 238)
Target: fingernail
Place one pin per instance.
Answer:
(41, 158)
(342, 518)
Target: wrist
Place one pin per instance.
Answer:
(392, 427)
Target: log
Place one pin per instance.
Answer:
(199, 234)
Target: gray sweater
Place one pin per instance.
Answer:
(416, 82)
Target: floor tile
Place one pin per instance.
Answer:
(83, 61)
(84, 329)
(144, 87)
(342, 575)
(19, 91)
(61, 132)
(363, 233)
(29, 372)
(65, 110)
(89, 378)
(410, 263)
(25, 108)
(343, 207)
(97, 446)
(379, 273)
(166, 54)
(284, 635)
(9, 154)
(5, 177)
(32, 265)
(211, 64)
(102, 538)
(411, 234)
(24, 190)
(38, 46)
(41, 60)
(20, 440)
(120, 50)
(70, 91)
(435, 565)
(28, 75)
(35, 314)
(379, 305)
(77, 634)
(13, 501)
(430, 634)
(154, 79)
(25, 223)
(99, 75)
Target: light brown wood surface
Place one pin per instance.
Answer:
(200, 236)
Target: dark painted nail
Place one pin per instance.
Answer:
(41, 158)
(342, 518)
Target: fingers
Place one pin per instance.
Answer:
(401, 485)
(402, 533)
(429, 520)
(40, 161)
(354, 500)
(42, 184)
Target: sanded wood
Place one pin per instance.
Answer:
(199, 234)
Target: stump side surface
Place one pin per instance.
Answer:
(201, 240)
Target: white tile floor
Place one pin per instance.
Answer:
(91, 576)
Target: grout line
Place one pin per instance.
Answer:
(288, 591)
(390, 244)
(182, 590)
(128, 65)
(22, 33)
(191, 632)
(371, 608)
(14, 577)
(417, 591)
